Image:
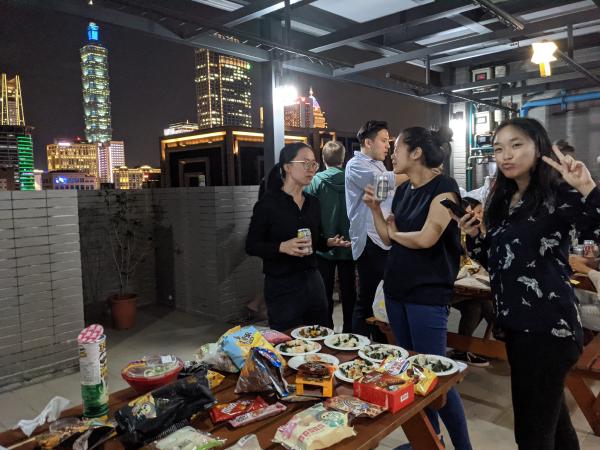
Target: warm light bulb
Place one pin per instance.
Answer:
(543, 52)
(285, 95)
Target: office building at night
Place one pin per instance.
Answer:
(135, 178)
(96, 92)
(16, 144)
(305, 112)
(69, 180)
(223, 90)
(110, 155)
(66, 154)
(180, 128)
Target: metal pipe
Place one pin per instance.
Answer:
(559, 101)
(427, 70)
(578, 67)
(503, 16)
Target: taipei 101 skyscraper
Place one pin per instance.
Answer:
(96, 92)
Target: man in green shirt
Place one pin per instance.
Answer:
(328, 187)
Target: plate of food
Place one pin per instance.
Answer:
(378, 352)
(346, 341)
(297, 361)
(353, 370)
(312, 333)
(440, 365)
(297, 347)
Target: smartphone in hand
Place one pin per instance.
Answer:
(457, 210)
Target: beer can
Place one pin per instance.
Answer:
(381, 187)
(578, 250)
(588, 248)
(305, 233)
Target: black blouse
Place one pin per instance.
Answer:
(527, 257)
(277, 218)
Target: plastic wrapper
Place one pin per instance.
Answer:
(187, 438)
(354, 406)
(259, 414)
(201, 369)
(237, 344)
(216, 358)
(423, 379)
(275, 337)
(147, 416)
(248, 442)
(50, 413)
(314, 428)
(228, 411)
(394, 365)
(263, 371)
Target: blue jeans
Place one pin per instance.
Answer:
(423, 328)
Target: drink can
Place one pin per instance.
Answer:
(381, 187)
(588, 249)
(578, 250)
(305, 233)
(93, 371)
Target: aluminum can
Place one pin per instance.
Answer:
(578, 250)
(381, 187)
(305, 233)
(588, 249)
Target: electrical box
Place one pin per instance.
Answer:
(483, 122)
(499, 71)
(482, 74)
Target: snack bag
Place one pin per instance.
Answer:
(212, 355)
(263, 371)
(237, 344)
(214, 379)
(187, 438)
(228, 411)
(257, 415)
(393, 365)
(314, 428)
(353, 406)
(423, 379)
(275, 337)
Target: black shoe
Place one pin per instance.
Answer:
(476, 360)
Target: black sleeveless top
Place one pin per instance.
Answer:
(423, 276)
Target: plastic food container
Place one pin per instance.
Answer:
(151, 372)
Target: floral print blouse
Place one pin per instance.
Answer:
(527, 257)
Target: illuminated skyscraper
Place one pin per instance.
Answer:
(305, 113)
(133, 178)
(110, 155)
(223, 90)
(76, 155)
(16, 145)
(96, 92)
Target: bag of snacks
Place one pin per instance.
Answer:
(257, 415)
(274, 337)
(354, 406)
(423, 379)
(238, 344)
(187, 438)
(263, 371)
(314, 428)
(228, 411)
(145, 417)
(216, 358)
(248, 442)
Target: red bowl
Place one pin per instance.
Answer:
(142, 385)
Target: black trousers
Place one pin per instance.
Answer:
(472, 310)
(295, 300)
(371, 266)
(347, 276)
(539, 365)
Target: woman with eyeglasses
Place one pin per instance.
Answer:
(294, 290)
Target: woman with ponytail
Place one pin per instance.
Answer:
(424, 259)
(294, 290)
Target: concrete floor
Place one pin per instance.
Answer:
(485, 391)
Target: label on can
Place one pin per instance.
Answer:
(381, 187)
(588, 248)
(93, 371)
(305, 233)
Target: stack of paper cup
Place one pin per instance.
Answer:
(92, 366)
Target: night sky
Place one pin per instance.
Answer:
(151, 84)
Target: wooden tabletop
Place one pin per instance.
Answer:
(369, 432)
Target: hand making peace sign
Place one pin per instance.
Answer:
(573, 172)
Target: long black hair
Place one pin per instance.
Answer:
(277, 174)
(543, 182)
(435, 144)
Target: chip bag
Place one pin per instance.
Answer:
(354, 406)
(314, 428)
(228, 411)
(262, 371)
(237, 344)
(423, 379)
(212, 355)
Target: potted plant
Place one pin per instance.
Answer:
(129, 242)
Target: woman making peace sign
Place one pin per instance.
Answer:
(528, 215)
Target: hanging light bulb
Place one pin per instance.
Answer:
(91, 2)
(543, 54)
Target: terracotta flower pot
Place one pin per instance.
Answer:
(123, 309)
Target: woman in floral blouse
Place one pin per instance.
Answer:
(528, 215)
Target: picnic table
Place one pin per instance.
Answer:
(369, 432)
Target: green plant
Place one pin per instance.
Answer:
(130, 240)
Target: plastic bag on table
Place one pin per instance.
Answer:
(216, 358)
(145, 417)
(379, 311)
(187, 438)
(248, 442)
(263, 371)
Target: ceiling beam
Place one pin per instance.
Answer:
(254, 10)
(408, 18)
(538, 88)
(530, 28)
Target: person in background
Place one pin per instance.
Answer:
(294, 290)
(589, 302)
(424, 258)
(472, 310)
(368, 250)
(564, 147)
(328, 187)
(525, 248)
